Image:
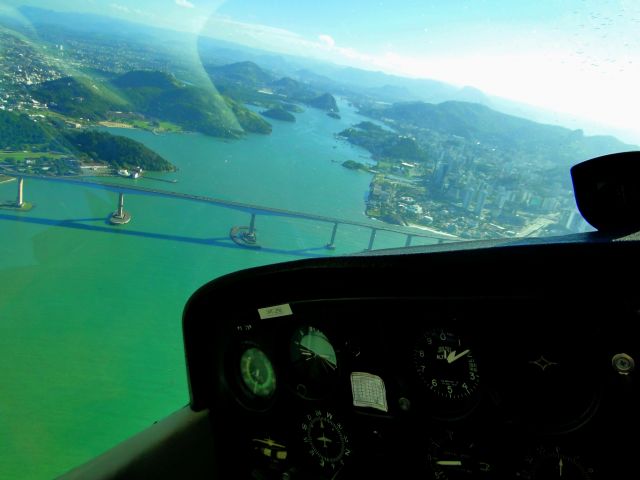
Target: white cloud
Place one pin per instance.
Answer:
(129, 11)
(184, 3)
(220, 26)
(279, 39)
(327, 40)
(120, 8)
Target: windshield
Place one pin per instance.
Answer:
(147, 147)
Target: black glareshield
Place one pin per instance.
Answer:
(607, 191)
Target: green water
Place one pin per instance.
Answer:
(90, 338)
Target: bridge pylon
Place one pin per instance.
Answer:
(372, 238)
(332, 243)
(120, 216)
(246, 236)
(19, 203)
(20, 196)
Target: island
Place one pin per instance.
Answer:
(353, 165)
(279, 114)
(326, 101)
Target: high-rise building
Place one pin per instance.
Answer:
(440, 174)
(482, 198)
(466, 199)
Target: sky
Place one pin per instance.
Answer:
(580, 57)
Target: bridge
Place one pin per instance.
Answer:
(242, 235)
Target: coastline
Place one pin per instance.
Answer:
(115, 125)
(128, 126)
(433, 230)
(10, 176)
(6, 179)
(439, 233)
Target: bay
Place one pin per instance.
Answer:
(90, 314)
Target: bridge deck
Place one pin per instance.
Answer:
(246, 207)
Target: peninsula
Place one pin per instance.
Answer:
(45, 147)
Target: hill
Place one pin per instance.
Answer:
(244, 80)
(78, 97)
(326, 102)
(19, 132)
(248, 120)
(301, 92)
(384, 144)
(293, 89)
(245, 74)
(279, 114)
(146, 79)
(161, 95)
(478, 123)
(154, 94)
(287, 84)
(377, 85)
(119, 152)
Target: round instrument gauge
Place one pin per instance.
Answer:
(550, 463)
(553, 390)
(455, 457)
(314, 360)
(446, 366)
(257, 373)
(326, 440)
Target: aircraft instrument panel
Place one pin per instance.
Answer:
(381, 373)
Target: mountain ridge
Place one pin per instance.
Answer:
(156, 94)
(402, 88)
(480, 124)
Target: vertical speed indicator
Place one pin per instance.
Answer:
(446, 365)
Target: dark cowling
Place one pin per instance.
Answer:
(607, 191)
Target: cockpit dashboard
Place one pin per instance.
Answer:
(513, 362)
